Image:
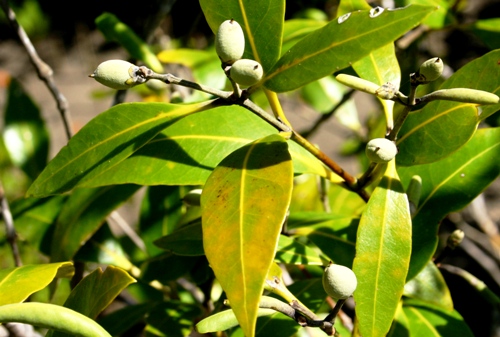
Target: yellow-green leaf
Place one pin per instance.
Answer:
(16, 284)
(244, 203)
(383, 250)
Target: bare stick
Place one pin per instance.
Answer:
(9, 226)
(43, 69)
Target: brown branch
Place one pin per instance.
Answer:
(9, 227)
(43, 69)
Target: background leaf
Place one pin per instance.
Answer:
(336, 46)
(105, 141)
(447, 186)
(428, 320)
(17, 284)
(383, 249)
(239, 242)
(82, 215)
(24, 132)
(257, 18)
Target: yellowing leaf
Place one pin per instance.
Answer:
(244, 203)
(383, 250)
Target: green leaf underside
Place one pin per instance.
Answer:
(334, 235)
(96, 291)
(239, 240)
(449, 185)
(428, 320)
(105, 141)
(82, 215)
(442, 127)
(435, 132)
(187, 151)
(336, 46)
(17, 284)
(430, 286)
(257, 18)
(383, 249)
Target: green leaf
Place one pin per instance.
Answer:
(334, 235)
(115, 30)
(172, 318)
(257, 18)
(383, 249)
(296, 29)
(105, 141)
(429, 320)
(187, 240)
(447, 186)
(336, 46)
(347, 6)
(51, 316)
(429, 286)
(178, 266)
(244, 204)
(24, 132)
(35, 218)
(120, 321)
(443, 16)
(82, 215)
(187, 151)
(400, 326)
(17, 284)
(95, 292)
(442, 127)
(488, 30)
(291, 251)
(161, 210)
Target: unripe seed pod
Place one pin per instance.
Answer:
(429, 71)
(381, 150)
(339, 281)
(358, 83)
(230, 41)
(116, 74)
(461, 95)
(246, 72)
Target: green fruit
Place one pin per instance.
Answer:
(339, 281)
(381, 150)
(230, 41)
(116, 74)
(246, 72)
(429, 71)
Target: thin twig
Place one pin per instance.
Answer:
(43, 69)
(325, 117)
(9, 227)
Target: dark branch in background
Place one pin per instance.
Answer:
(9, 227)
(43, 69)
(325, 117)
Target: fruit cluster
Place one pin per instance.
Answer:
(230, 46)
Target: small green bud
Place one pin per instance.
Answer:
(117, 74)
(455, 238)
(192, 198)
(246, 72)
(339, 281)
(230, 41)
(381, 150)
(414, 192)
(429, 71)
